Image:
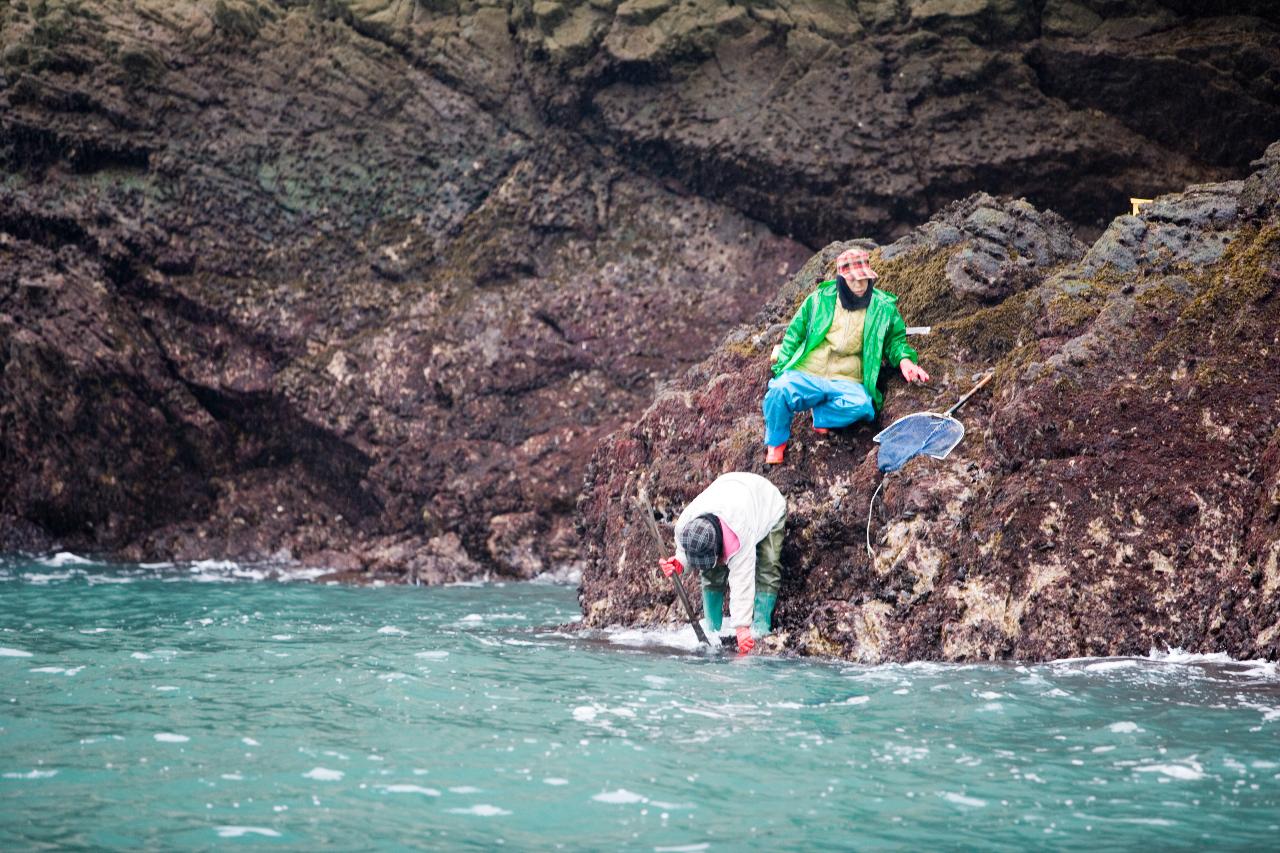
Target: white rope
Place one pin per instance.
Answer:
(871, 554)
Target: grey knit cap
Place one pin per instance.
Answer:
(700, 541)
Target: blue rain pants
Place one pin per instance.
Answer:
(835, 402)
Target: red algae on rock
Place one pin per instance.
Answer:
(1116, 490)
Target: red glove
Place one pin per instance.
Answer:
(671, 566)
(745, 641)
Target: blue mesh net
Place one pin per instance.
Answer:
(922, 433)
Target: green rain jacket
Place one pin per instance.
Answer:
(884, 334)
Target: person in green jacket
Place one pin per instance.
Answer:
(831, 354)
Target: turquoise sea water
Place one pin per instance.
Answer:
(178, 707)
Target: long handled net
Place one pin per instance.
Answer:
(918, 434)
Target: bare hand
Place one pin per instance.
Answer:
(912, 372)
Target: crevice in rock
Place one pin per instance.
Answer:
(27, 148)
(267, 433)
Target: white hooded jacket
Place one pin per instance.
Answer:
(750, 506)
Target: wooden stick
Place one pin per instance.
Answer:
(972, 391)
(646, 511)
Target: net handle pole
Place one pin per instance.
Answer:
(646, 513)
(974, 390)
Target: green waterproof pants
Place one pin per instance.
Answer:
(768, 564)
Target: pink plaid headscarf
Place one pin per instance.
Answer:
(858, 259)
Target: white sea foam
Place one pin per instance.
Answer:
(300, 573)
(1269, 712)
(170, 737)
(1109, 665)
(248, 741)
(232, 777)
(1224, 663)
(241, 831)
(95, 630)
(41, 579)
(34, 774)
(588, 713)
(1125, 727)
(555, 780)
(569, 575)
(64, 558)
(1252, 668)
(392, 629)
(962, 800)
(1176, 655)
(1186, 771)
(410, 789)
(323, 774)
(432, 655)
(661, 804)
(683, 848)
(140, 656)
(58, 670)
(481, 810)
(465, 789)
(219, 571)
(13, 653)
(620, 797)
(213, 566)
(677, 638)
(94, 580)
(702, 712)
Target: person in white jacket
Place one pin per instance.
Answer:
(732, 534)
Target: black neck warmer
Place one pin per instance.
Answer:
(848, 301)
(715, 522)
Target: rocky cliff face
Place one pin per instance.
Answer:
(364, 283)
(1118, 487)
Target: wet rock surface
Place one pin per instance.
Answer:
(363, 284)
(1116, 489)
(291, 298)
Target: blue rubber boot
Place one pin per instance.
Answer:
(713, 608)
(762, 621)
